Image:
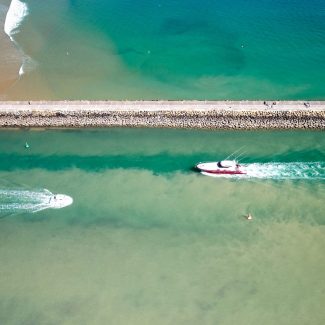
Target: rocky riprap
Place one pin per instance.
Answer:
(217, 118)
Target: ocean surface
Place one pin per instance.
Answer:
(163, 49)
(149, 240)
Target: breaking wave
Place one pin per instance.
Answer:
(18, 11)
(15, 201)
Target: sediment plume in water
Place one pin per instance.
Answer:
(19, 201)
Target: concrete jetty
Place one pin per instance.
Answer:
(172, 114)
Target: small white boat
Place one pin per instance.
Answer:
(59, 201)
(223, 167)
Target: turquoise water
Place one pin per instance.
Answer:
(171, 49)
(148, 240)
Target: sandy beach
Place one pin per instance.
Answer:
(174, 114)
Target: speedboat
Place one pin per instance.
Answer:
(58, 201)
(222, 167)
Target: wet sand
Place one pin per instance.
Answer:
(176, 114)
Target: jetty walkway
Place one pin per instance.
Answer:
(175, 114)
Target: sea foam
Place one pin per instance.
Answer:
(18, 10)
(16, 14)
(289, 170)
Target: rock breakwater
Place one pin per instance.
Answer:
(203, 115)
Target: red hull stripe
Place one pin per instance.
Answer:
(222, 172)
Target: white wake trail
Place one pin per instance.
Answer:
(291, 170)
(15, 201)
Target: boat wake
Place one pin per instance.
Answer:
(281, 171)
(17, 201)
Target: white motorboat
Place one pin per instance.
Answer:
(223, 167)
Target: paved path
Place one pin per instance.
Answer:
(151, 106)
(175, 114)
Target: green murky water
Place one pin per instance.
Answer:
(148, 240)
